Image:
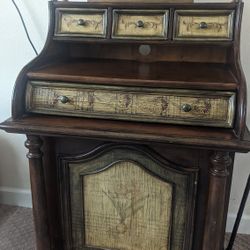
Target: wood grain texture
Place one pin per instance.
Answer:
(195, 137)
(216, 24)
(133, 73)
(168, 53)
(158, 105)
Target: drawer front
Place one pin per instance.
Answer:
(150, 105)
(81, 22)
(140, 24)
(203, 25)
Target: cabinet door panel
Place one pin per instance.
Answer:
(126, 198)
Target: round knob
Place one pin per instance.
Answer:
(81, 22)
(186, 107)
(203, 25)
(140, 24)
(63, 99)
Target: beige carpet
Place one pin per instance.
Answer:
(17, 233)
(16, 228)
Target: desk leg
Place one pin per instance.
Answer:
(34, 143)
(214, 226)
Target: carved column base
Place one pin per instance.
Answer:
(214, 225)
(34, 143)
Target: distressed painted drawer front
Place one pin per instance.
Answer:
(81, 22)
(131, 103)
(140, 24)
(198, 24)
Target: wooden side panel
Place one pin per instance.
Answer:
(131, 209)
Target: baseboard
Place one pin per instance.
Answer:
(22, 198)
(244, 225)
(15, 197)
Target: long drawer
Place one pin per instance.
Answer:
(205, 108)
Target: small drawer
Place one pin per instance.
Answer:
(140, 24)
(203, 25)
(81, 22)
(205, 108)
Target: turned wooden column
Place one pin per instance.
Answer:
(214, 226)
(40, 212)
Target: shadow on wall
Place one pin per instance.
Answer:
(13, 162)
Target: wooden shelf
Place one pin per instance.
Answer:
(132, 73)
(200, 137)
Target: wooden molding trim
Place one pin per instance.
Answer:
(142, 1)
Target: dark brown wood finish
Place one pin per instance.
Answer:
(210, 138)
(132, 73)
(184, 64)
(40, 209)
(218, 174)
(240, 124)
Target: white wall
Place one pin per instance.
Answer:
(15, 52)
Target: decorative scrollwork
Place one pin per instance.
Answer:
(202, 106)
(214, 26)
(72, 21)
(146, 25)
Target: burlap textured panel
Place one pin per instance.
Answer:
(126, 208)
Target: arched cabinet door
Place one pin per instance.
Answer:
(127, 198)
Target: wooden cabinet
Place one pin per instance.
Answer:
(126, 197)
(133, 114)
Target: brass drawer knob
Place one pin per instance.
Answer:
(186, 108)
(63, 99)
(140, 24)
(81, 22)
(203, 25)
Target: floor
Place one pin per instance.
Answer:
(17, 232)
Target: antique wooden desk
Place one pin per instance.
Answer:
(133, 113)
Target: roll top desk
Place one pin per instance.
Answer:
(133, 114)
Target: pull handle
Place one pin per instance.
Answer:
(81, 22)
(203, 25)
(63, 99)
(186, 108)
(140, 24)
